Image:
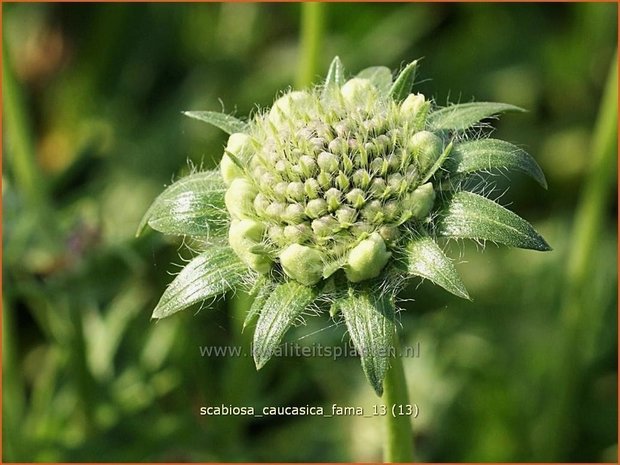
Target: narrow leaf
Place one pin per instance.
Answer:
(489, 154)
(226, 123)
(370, 321)
(208, 275)
(470, 216)
(283, 306)
(425, 259)
(193, 206)
(404, 82)
(379, 76)
(465, 115)
(264, 289)
(335, 77)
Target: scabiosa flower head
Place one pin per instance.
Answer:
(334, 198)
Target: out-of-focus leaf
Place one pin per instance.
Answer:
(370, 321)
(470, 216)
(379, 76)
(208, 275)
(425, 259)
(226, 123)
(465, 115)
(404, 82)
(283, 306)
(193, 206)
(489, 154)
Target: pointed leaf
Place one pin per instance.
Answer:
(192, 206)
(370, 321)
(283, 306)
(208, 275)
(226, 123)
(404, 82)
(264, 289)
(335, 77)
(379, 76)
(465, 115)
(470, 216)
(487, 154)
(425, 259)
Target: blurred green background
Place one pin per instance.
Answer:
(93, 131)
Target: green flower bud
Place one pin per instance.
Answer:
(356, 198)
(312, 188)
(420, 202)
(328, 162)
(308, 166)
(346, 216)
(239, 198)
(302, 263)
(411, 106)
(325, 226)
(361, 179)
(295, 191)
(239, 145)
(298, 233)
(325, 180)
(316, 208)
(294, 213)
(367, 259)
(426, 148)
(333, 197)
(287, 106)
(358, 92)
(244, 237)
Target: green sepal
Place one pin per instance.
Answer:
(465, 115)
(334, 79)
(470, 216)
(425, 259)
(487, 154)
(404, 82)
(193, 206)
(208, 275)
(369, 317)
(379, 76)
(226, 123)
(262, 289)
(279, 312)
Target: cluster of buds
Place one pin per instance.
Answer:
(321, 183)
(339, 195)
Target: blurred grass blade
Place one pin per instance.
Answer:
(312, 31)
(370, 321)
(470, 216)
(264, 290)
(208, 275)
(465, 115)
(284, 305)
(487, 154)
(335, 77)
(379, 76)
(192, 206)
(404, 82)
(226, 123)
(425, 259)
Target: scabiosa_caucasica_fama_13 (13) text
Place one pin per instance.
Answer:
(334, 199)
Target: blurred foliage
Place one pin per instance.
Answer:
(93, 131)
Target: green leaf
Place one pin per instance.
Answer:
(404, 82)
(208, 275)
(465, 115)
(370, 321)
(470, 216)
(379, 76)
(192, 206)
(226, 123)
(335, 77)
(487, 154)
(425, 259)
(264, 289)
(283, 306)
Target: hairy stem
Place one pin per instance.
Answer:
(312, 22)
(398, 442)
